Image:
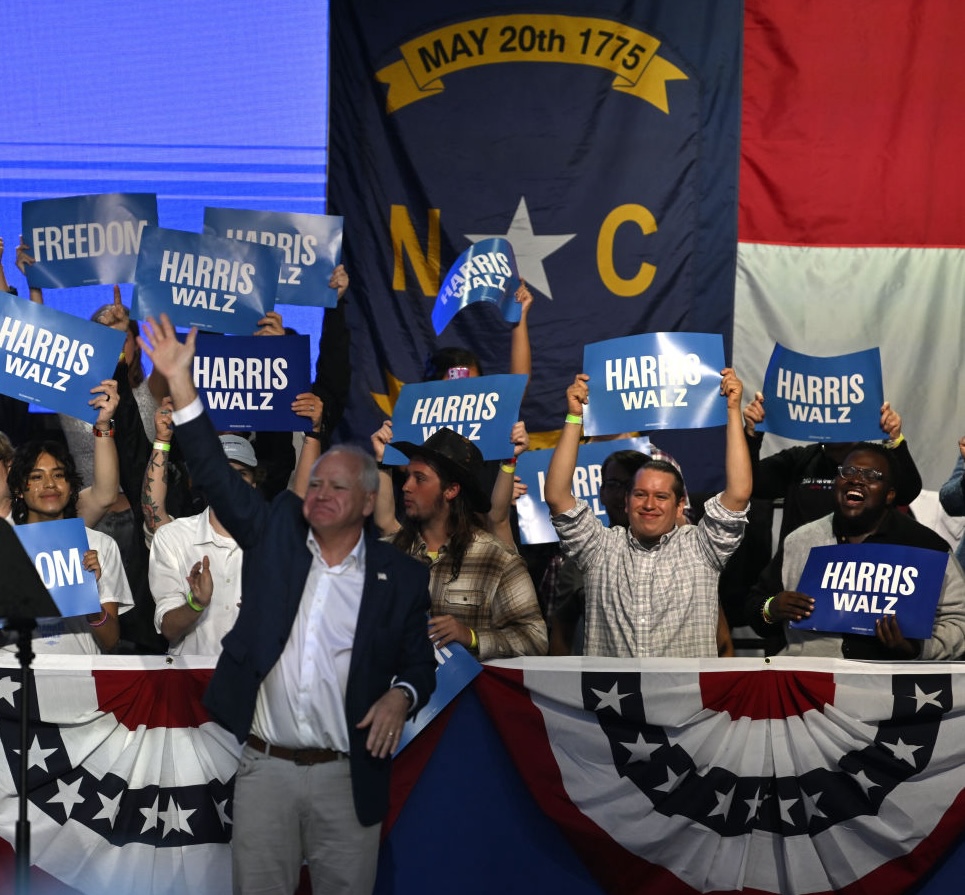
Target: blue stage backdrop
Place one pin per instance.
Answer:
(600, 139)
(212, 104)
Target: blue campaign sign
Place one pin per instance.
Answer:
(486, 271)
(654, 381)
(54, 359)
(217, 284)
(853, 585)
(534, 515)
(824, 399)
(455, 670)
(248, 383)
(57, 551)
(483, 408)
(82, 240)
(311, 244)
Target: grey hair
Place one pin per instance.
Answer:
(369, 474)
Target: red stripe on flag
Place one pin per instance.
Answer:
(780, 694)
(851, 131)
(171, 698)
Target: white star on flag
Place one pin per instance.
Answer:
(753, 804)
(904, 751)
(864, 781)
(68, 795)
(8, 686)
(530, 249)
(221, 807)
(922, 699)
(37, 757)
(723, 803)
(785, 806)
(672, 780)
(175, 818)
(109, 808)
(150, 816)
(641, 750)
(610, 699)
(811, 805)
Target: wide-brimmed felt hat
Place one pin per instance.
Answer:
(458, 458)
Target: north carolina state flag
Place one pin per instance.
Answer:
(851, 219)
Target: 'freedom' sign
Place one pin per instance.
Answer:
(222, 285)
(854, 585)
(311, 245)
(483, 408)
(534, 515)
(57, 551)
(81, 240)
(654, 381)
(54, 359)
(826, 399)
(249, 382)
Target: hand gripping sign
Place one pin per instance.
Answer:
(654, 381)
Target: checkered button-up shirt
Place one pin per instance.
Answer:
(493, 595)
(658, 600)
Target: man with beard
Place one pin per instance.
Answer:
(864, 493)
(482, 595)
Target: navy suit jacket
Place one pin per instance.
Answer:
(391, 637)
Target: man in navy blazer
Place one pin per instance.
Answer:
(328, 657)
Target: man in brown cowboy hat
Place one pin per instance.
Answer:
(482, 595)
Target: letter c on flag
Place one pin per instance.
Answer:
(623, 214)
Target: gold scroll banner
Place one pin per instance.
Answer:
(630, 54)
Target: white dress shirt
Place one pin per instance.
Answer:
(301, 702)
(177, 546)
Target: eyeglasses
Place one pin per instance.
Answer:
(869, 476)
(615, 484)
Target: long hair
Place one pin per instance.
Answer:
(24, 460)
(461, 525)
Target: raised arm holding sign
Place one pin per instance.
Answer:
(671, 609)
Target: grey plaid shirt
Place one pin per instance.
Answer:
(651, 601)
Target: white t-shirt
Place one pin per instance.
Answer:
(73, 635)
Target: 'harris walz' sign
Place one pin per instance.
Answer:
(311, 245)
(249, 382)
(654, 381)
(216, 284)
(854, 585)
(54, 359)
(482, 408)
(829, 399)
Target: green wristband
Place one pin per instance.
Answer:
(189, 599)
(574, 419)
